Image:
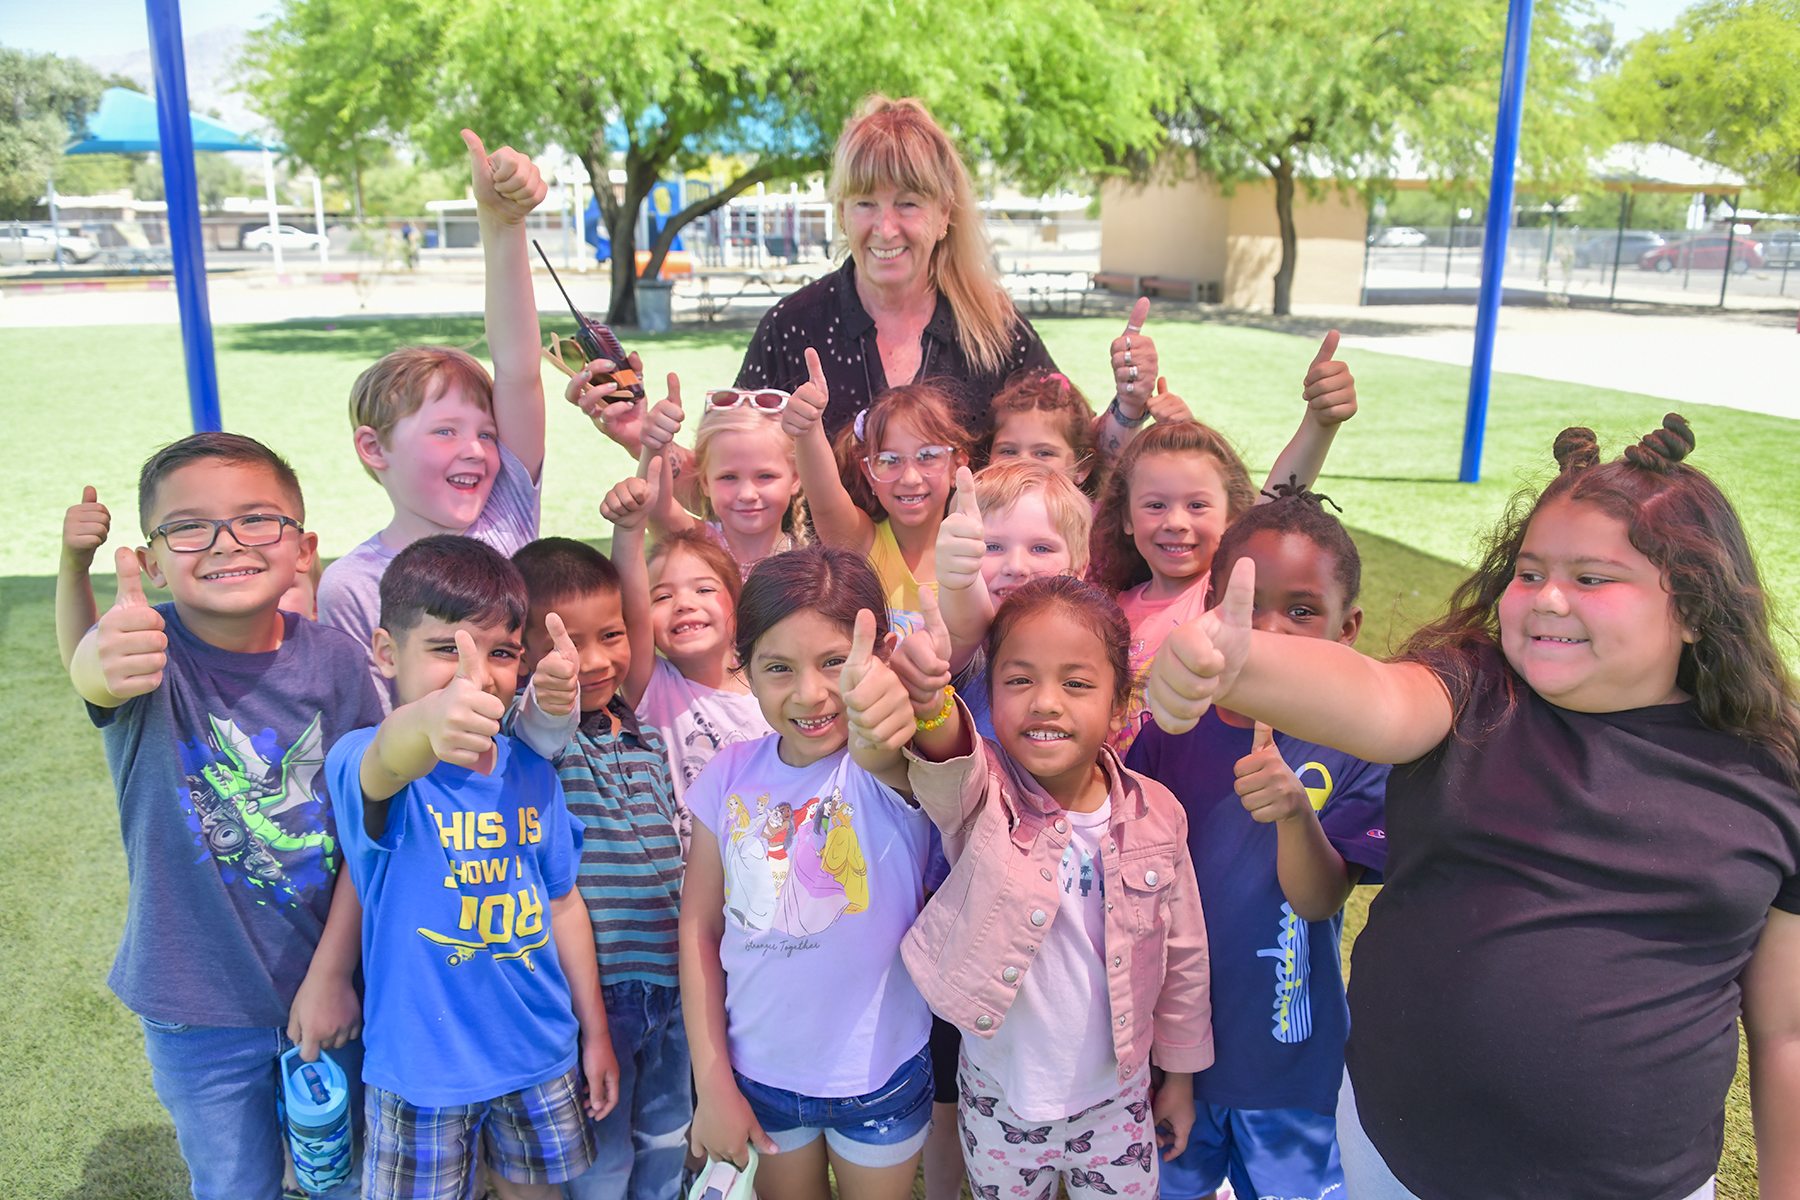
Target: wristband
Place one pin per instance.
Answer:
(949, 707)
(1118, 414)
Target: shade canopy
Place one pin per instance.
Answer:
(126, 124)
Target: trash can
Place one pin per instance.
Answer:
(653, 304)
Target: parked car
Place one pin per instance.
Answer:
(1782, 248)
(1599, 251)
(30, 241)
(1399, 235)
(1706, 251)
(290, 238)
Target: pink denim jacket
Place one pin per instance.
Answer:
(1004, 837)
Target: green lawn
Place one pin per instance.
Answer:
(81, 1118)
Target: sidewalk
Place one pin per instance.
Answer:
(1738, 358)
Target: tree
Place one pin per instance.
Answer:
(1724, 84)
(341, 80)
(1042, 88)
(42, 98)
(1312, 93)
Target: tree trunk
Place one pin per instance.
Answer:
(1283, 171)
(699, 208)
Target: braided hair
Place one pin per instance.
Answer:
(1679, 519)
(1292, 509)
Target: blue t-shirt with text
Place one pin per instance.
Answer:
(1279, 1015)
(464, 996)
(230, 844)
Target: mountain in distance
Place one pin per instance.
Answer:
(211, 55)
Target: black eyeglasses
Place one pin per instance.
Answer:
(192, 535)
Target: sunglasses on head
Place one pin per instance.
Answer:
(769, 400)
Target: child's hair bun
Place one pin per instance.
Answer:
(1576, 448)
(1663, 448)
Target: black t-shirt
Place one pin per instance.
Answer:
(828, 316)
(1544, 1002)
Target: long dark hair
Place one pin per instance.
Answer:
(1113, 559)
(831, 581)
(1679, 519)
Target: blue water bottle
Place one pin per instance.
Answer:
(315, 1103)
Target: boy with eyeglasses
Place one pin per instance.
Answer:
(216, 709)
(457, 451)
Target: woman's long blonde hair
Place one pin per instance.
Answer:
(896, 142)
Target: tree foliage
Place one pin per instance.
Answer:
(42, 98)
(342, 80)
(1047, 91)
(1723, 83)
(1316, 93)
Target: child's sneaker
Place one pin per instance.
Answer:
(723, 1181)
(315, 1110)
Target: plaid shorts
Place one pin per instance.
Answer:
(538, 1135)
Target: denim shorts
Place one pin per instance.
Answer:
(882, 1128)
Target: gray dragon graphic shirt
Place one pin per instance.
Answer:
(230, 843)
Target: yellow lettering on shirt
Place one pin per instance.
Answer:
(494, 869)
(450, 837)
(490, 831)
(493, 907)
(469, 904)
(531, 913)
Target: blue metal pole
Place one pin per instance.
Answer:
(181, 190)
(1499, 224)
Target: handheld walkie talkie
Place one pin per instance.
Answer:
(596, 340)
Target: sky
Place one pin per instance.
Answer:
(108, 27)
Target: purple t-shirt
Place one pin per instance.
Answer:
(350, 589)
(230, 841)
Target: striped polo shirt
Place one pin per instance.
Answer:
(617, 785)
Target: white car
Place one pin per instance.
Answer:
(290, 238)
(1399, 235)
(22, 242)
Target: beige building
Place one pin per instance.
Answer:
(1190, 232)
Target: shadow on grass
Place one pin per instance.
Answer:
(371, 337)
(135, 1162)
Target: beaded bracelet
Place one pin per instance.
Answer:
(1118, 414)
(949, 707)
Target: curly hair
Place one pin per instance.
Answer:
(1679, 519)
(1113, 559)
(1086, 605)
(1293, 510)
(930, 412)
(1047, 392)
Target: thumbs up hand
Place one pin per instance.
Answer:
(556, 683)
(85, 527)
(629, 503)
(1267, 785)
(961, 539)
(1134, 362)
(922, 660)
(806, 407)
(661, 425)
(1201, 659)
(507, 183)
(876, 706)
(1330, 390)
(1166, 407)
(129, 639)
(461, 718)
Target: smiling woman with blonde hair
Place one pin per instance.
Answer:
(918, 297)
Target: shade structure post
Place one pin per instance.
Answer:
(181, 191)
(319, 220)
(274, 211)
(1499, 225)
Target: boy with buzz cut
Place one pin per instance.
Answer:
(482, 999)
(615, 774)
(456, 451)
(217, 710)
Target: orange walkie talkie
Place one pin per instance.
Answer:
(596, 340)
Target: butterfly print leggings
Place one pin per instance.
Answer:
(1106, 1150)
